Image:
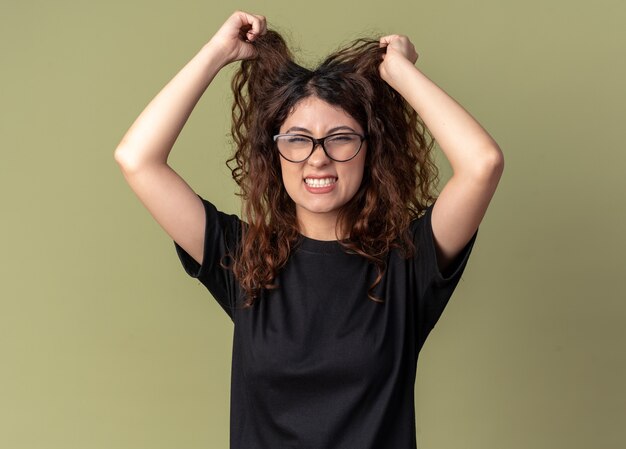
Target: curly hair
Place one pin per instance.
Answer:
(399, 178)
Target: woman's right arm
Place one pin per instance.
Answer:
(142, 154)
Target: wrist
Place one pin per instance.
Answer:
(215, 55)
(396, 70)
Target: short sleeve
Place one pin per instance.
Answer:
(220, 240)
(434, 288)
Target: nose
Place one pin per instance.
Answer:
(318, 158)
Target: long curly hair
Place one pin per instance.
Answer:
(399, 179)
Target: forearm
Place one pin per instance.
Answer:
(467, 146)
(151, 137)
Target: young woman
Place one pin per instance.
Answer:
(344, 258)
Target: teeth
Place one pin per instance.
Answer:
(323, 182)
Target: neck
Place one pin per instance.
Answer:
(318, 226)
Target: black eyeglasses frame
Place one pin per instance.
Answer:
(315, 142)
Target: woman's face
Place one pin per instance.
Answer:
(336, 182)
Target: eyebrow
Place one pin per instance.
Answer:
(330, 131)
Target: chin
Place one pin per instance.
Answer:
(320, 208)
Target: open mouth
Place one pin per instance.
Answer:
(320, 182)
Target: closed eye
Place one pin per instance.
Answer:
(342, 137)
(297, 139)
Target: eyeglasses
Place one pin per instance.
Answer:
(340, 147)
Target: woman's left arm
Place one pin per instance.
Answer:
(476, 159)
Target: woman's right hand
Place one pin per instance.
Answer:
(233, 39)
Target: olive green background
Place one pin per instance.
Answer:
(105, 342)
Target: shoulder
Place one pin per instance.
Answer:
(229, 226)
(422, 222)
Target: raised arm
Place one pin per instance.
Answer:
(475, 158)
(142, 154)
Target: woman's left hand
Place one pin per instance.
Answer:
(399, 50)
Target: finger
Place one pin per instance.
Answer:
(257, 23)
(386, 40)
(262, 25)
(247, 25)
(256, 28)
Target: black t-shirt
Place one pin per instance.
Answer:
(317, 364)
